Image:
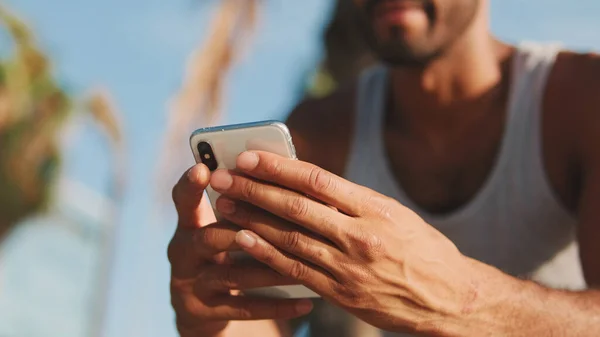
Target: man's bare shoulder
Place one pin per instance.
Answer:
(576, 78)
(572, 123)
(322, 128)
(316, 114)
(574, 94)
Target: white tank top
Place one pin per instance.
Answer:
(515, 221)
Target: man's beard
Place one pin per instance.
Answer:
(397, 52)
(418, 51)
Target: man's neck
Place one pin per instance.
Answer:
(454, 88)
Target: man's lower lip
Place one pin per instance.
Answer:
(398, 15)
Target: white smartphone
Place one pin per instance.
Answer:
(218, 148)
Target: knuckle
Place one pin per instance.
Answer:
(380, 206)
(249, 217)
(249, 190)
(177, 249)
(179, 287)
(274, 168)
(184, 302)
(244, 311)
(366, 244)
(297, 207)
(362, 275)
(321, 181)
(299, 271)
(291, 240)
(175, 193)
(269, 255)
(333, 226)
(172, 251)
(186, 326)
(373, 245)
(319, 254)
(202, 237)
(206, 242)
(194, 307)
(176, 302)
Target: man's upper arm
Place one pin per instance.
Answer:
(321, 130)
(589, 145)
(589, 221)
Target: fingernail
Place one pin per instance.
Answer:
(225, 206)
(247, 161)
(304, 307)
(221, 180)
(245, 240)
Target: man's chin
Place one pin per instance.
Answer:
(406, 60)
(395, 62)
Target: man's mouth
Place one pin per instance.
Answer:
(397, 11)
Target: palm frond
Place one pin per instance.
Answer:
(199, 101)
(105, 113)
(33, 111)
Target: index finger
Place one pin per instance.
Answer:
(305, 178)
(193, 208)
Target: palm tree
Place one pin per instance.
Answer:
(33, 111)
(198, 102)
(32, 107)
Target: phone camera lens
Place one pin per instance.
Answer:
(207, 156)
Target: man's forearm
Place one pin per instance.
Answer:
(506, 306)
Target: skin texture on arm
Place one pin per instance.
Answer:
(529, 308)
(572, 125)
(381, 262)
(572, 115)
(578, 313)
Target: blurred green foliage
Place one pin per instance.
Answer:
(34, 110)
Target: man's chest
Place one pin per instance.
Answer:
(447, 177)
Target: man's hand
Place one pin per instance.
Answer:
(204, 283)
(365, 252)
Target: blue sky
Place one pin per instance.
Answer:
(138, 48)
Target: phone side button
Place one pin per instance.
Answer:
(294, 152)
